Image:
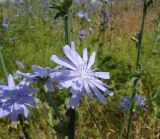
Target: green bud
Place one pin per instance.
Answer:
(62, 6)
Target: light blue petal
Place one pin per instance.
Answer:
(4, 87)
(76, 55)
(80, 14)
(76, 90)
(11, 83)
(100, 82)
(100, 97)
(63, 75)
(70, 55)
(4, 113)
(63, 62)
(88, 91)
(103, 75)
(49, 86)
(65, 84)
(74, 100)
(91, 60)
(102, 88)
(85, 55)
(25, 112)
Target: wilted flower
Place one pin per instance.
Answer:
(15, 100)
(79, 75)
(39, 74)
(83, 14)
(139, 100)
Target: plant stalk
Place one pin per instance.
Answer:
(3, 65)
(54, 107)
(141, 33)
(131, 107)
(71, 125)
(138, 66)
(24, 129)
(67, 28)
(102, 30)
(131, 115)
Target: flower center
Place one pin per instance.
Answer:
(84, 72)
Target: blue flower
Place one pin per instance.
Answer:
(5, 26)
(125, 102)
(82, 34)
(15, 100)
(83, 14)
(21, 1)
(39, 74)
(139, 100)
(29, 8)
(79, 76)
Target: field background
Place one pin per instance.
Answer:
(35, 36)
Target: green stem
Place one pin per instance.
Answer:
(71, 26)
(52, 103)
(79, 123)
(67, 28)
(24, 129)
(131, 115)
(102, 31)
(3, 65)
(126, 115)
(138, 65)
(141, 33)
(71, 125)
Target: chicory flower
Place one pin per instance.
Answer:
(15, 100)
(139, 100)
(84, 15)
(39, 74)
(78, 75)
(4, 26)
